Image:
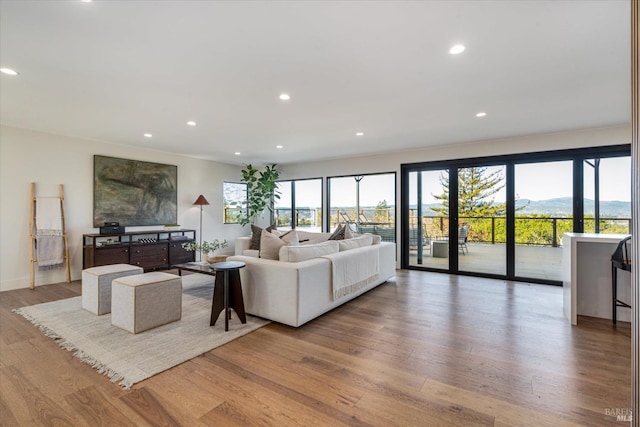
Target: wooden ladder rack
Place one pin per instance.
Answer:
(32, 236)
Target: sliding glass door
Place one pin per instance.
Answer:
(481, 229)
(543, 213)
(428, 235)
(509, 213)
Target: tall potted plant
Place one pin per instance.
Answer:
(262, 190)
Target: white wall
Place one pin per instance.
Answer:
(48, 160)
(389, 162)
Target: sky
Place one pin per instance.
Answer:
(536, 181)
(550, 180)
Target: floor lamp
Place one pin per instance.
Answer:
(200, 201)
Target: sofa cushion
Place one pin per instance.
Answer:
(356, 242)
(376, 239)
(305, 252)
(311, 237)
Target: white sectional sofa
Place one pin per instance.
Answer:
(294, 293)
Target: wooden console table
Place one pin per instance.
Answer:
(151, 250)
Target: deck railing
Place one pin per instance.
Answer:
(531, 230)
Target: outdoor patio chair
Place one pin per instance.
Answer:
(366, 229)
(413, 239)
(463, 233)
(387, 234)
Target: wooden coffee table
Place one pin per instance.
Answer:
(227, 291)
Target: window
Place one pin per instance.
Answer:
(365, 202)
(607, 195)
(299, 205)
(235, 201)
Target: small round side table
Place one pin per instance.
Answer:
(227, 293)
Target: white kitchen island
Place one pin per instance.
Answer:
(586, 276)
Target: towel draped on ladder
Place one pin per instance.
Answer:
(49, 239)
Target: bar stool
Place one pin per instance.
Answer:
(619, 260)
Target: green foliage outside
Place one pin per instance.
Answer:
(487, 222)
(284, 218)
(233, 215)
(381, 213)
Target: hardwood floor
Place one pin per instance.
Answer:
(425, 349)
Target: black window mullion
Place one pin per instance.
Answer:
(453, 219)
(511, 220)
(404, 214)
(294, 219)
(578, 195)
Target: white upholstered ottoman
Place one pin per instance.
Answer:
(96, 285)
(145, 301)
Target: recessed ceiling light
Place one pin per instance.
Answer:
(481, 114)
(86, 1)
(147, 135)
(191, 123)
(8, 71)
(285, 96)
(456, 49)
(237, 153)
(279, 146)
(359, 133)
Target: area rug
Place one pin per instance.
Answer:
(130, 358)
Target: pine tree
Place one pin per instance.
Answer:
(476, 189)
(382, 212)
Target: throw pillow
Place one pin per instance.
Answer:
(256, 235)
(256, 232)
(348, 232)
(338, 233)
(290, 238)
(270, 245)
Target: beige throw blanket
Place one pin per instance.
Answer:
(49, 240)
(352, 270)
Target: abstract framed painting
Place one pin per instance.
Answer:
(133, 192)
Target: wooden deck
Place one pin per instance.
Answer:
(540, 262)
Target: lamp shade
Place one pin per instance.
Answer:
(201, 201)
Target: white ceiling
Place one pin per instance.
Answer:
(113, 70)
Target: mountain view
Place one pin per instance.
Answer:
(563, 207)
